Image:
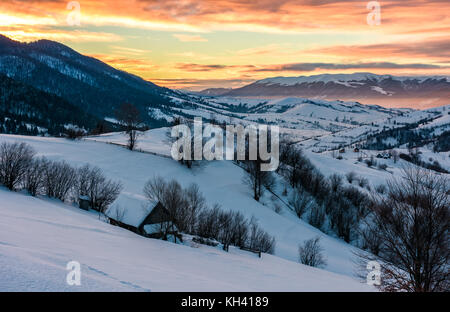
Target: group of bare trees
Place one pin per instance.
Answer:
(15, 160)
(408, 232)
(92, 183)
(20, 169)
(326, 203)
(405, 226)
(188, 209)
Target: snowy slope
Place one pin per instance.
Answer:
(39, 237)
(220, 182)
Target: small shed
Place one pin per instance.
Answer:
(84, 202)
(149, 219)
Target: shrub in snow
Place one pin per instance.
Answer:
(371, 162)
(15, 158)
(311, 253)
(74, 133)
(351, 176)
(258, 239)
(381, 189)
(382, 166)
(363, 182)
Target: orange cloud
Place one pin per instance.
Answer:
(413, 35)
(288, 16)
(437, 49)
(142, 67)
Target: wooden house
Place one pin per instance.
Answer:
(152, 220)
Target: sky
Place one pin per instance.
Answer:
(198, 44)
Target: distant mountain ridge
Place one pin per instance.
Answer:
(85, 82)
(367, 88)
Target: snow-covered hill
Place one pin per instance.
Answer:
(220, 182)
(39, 237)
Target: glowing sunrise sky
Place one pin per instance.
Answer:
(227, 43)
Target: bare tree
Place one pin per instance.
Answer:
(317, 215)
(258, 239)
(335, 182)
(34, 177)
(15, 158)
(130, 119)
(257, 179)
(59, 179)
(195, 204)
(171, 196)
(208, 225)
(311, 253)
(395, 155)
(301, 201)
(351, 176)
(93, 184)
(293, 163)
(409, 227)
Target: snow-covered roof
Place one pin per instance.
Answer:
(131, 209)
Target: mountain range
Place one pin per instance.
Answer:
(83, 83)
(46, 87)
(366, 88)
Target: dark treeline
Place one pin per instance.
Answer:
(23, 109)
(409, 135)
(325, 203)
